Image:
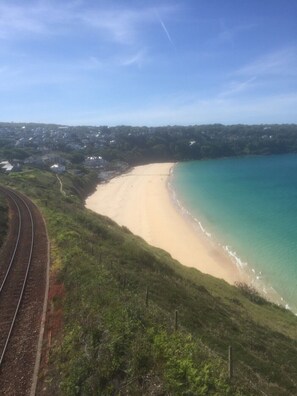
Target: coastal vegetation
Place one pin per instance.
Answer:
(127, 319)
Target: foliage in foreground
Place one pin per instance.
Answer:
(113, 343)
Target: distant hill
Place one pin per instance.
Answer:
(140, 145)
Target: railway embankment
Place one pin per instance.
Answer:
(23, 278)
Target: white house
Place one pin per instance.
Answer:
(6, 166)
(58, 168)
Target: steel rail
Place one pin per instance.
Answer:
(25, 277)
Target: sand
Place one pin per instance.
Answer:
(141, 201)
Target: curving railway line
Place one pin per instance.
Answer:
(23, 279)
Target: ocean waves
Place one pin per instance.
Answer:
(247, 207)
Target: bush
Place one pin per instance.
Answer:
(184, 371)
(251, 293)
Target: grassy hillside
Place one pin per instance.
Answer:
(113, 307)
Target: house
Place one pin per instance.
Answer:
(6, 166)
(13, 166)
(95, 162)
(58, 168)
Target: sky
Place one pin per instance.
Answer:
(137, 62)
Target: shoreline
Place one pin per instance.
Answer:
(246, 274)
(144, 201)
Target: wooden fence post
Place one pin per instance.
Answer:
(147, 297)
(175, 320)
(230, 362)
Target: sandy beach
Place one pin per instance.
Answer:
(141, 201)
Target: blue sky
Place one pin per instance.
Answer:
(139, 62)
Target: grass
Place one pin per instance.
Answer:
(111, 343)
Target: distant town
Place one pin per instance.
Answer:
(112, 150)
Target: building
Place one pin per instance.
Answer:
(58, 168)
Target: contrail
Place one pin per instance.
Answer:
(164, 28)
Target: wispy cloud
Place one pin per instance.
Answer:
(90, 63)
(96, 45)
(269, 73)
(228, 34)
(235, 87)
(136, 59)
(164, 28)
(121, 24)
(32, 73)
(282, 62)
(16, 19)
(124, 25)
(269, 109)
(37, 17)
(116, 25)
(120, 31)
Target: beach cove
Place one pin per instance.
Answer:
(142, 201)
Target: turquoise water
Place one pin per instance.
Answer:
(249, 205)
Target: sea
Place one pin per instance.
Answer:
(247, 206)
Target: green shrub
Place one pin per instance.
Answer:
(184, 371)
(251, 293)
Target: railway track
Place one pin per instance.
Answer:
(23, 272)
